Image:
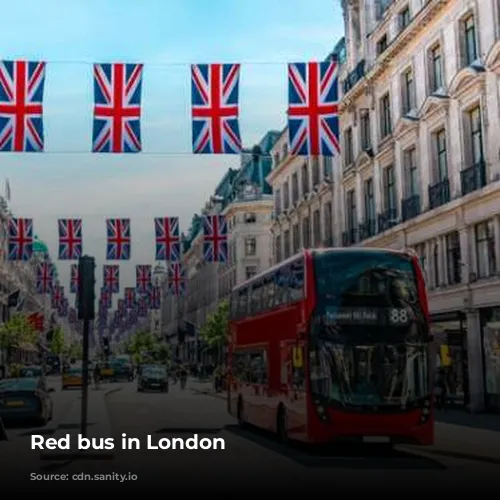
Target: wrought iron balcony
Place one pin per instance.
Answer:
(367, 229)
(387, 219)
(354, 76)
(410, 207)
(439, 194)
(473, 178)
(350, 237)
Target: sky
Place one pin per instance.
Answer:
(167, 36)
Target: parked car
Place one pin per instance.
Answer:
(24, 399)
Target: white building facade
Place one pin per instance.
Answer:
(420, 118)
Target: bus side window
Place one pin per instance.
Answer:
(296, 280)
(258, 367)
(256, 295)
(271, 293)
(265, 295)
(234, 305)
(242, 302)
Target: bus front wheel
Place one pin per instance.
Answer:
(281, 425)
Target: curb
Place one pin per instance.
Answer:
(456, 454)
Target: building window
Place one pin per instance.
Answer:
(410, 162)
(365, 130)
(277, 201)
(469, 40)
(485, 249)
(305, 179)
(295, 188)
(441, 156)
(250, 218)
(454, 258)
(278, 252)
(250, 246)
(351, 220)
(385, 116)
(369, 201)
(286, 196)
(389, 189)
(286, 244)
(436, 265)
(327, 212)
(348, 147)
(382, 45)
(295, 238)
(436, 68)
(404, 18)
(408, 88)
(476, 134)
(250, 271)
(276, 159)
(316, 228)
(316, 178)
(328, 167)
(306, 232)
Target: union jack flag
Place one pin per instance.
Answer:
(142, 307)
(214, 94)
(70, 239)
(117, 110)
(21, 106)
(45, 276)
(168, 242)
(214, 238)
(143, 275)
(155, 298)
(20, 239)
(120, 306)
(63, 308)
(313, 116)
(176, 279)
(57, 296)
(106, 298)
(118, 232)
(73, 286)
(130, 297)
(111, 278)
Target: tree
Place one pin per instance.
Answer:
(214, 331)
(161, 352)
(16, 332)
(57, 345)
(75, 350)
(141, 343)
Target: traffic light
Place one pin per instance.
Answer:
(86, 288)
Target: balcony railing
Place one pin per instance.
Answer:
(410, 207)
(439, 194)
(367, 229)
(354, 76)
(350, 237)
(473, 178)
(387, 219)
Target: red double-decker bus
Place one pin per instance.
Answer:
(334, 345)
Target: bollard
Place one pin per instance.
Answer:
(3, 434)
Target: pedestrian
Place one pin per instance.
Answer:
(183, 375)
(97, 375)
(440, 390)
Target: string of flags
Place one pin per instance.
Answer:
(313, 121)
(136, 301)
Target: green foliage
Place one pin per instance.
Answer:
(161, 352)
(75, 350)
(143, 344)
(16, 332)
(214, 331)
(57, 345)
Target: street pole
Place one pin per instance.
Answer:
(85, 374)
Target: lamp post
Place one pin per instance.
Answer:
(159, 274)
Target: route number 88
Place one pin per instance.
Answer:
(399, 316)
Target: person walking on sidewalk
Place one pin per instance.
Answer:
(183, 375)
(97, 375)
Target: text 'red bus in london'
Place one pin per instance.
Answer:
(334, 344)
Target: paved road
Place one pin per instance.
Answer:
(251, 459)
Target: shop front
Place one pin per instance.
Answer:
(450, 341)
(490, 332)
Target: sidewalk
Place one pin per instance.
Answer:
(98, 426)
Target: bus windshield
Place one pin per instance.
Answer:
(369, 332)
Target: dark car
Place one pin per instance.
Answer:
(24, 399)
(153, 377)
